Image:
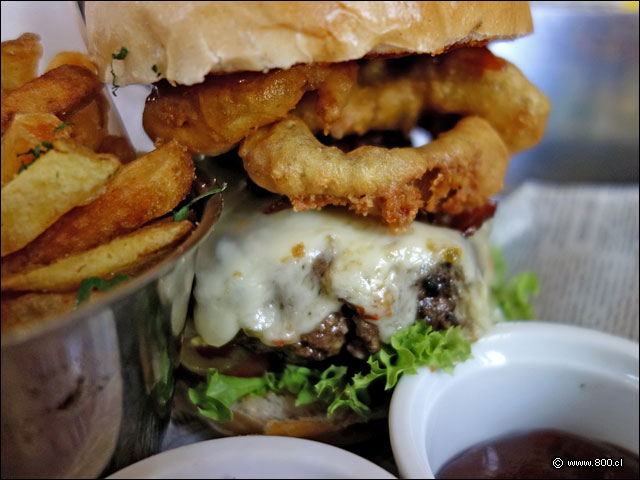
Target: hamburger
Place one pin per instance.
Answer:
(346, 255)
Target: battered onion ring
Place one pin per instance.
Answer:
(467, 81)
(458, 171)
(212, 117)
(394, 105)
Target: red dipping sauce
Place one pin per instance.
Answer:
(542, 454)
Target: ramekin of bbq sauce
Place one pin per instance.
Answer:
(528, 454)
(536, 400)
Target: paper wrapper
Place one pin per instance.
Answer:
(582, 241)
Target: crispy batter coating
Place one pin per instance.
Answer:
(472, 81)
(466, 81)
(458, 171)
(61, 91)
(214, 116)
(142, 190)
(393, 105)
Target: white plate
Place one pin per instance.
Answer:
(522, 376)
(255, 457)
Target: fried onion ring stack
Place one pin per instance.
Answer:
(273, 117)
(457, 172)
(214, 116)
(465, 81)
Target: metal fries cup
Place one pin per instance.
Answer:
(90, 392)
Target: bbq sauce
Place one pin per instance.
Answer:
(541, 454)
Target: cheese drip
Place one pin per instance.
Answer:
(277, 276)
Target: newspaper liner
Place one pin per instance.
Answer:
(582, 241)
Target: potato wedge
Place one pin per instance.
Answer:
(23, 310)
(89, 124)
(119, 146)
(142, 190)
(121, 255)
(61, 91)
(26, 131)
(72, 58)
(19, 61)
(64, 177)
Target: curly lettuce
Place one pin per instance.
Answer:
(513, 297)
(410, 348)
(215, 396)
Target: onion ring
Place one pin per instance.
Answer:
(212, 117)
(394, 105)
(457, 172)
(466, 81)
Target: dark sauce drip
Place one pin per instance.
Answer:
(437, 123)
(478, 60)
(282, 203)
(466, 222)
(532, 455)
(374, 138)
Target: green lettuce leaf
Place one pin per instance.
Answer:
(513, 297)
(300, 381)
(215, 396)
(410, 348)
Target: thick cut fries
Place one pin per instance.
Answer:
(142, 190)
(64, 177)
(27, 131)
(69, 211)
(118, 146)
(89, 124)
(72, 58)
(122, 255)
(61, 91)
(458, 171)
(19, 61)
(214, 116)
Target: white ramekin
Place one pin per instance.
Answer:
(522, 376)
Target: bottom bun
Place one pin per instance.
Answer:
(275, 414)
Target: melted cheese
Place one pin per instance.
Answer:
(279, 275)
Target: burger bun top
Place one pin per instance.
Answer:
(182, 42)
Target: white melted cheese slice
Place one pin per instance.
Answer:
(263, 273)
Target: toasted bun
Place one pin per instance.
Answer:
(273, 414)
(188, 40)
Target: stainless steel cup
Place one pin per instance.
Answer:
(88, 393)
